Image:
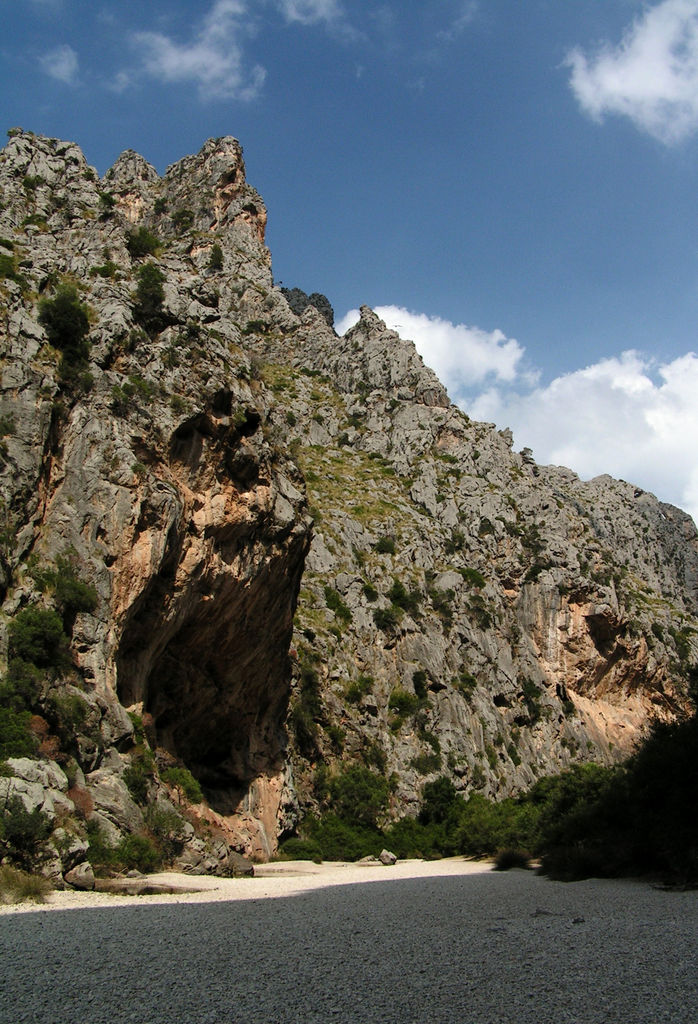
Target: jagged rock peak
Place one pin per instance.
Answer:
(44, 161)
(374, 356)
(129, 168)
(219, 162)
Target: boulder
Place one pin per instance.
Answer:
(81, 877)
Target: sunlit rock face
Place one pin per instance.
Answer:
(160, 477)
(303, 555)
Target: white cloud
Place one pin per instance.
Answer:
(328, 13)
(61, 63)
(308, 12)
(625, 416)
(462, 357)
(212, 60)
(467, 11)
(651, 76)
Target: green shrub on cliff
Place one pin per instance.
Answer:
(16, 738)
(67, 325)
(36, 636)
(150, 295)
(142, 242)
(216, 258)
(184, 779)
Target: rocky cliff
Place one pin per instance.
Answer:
(230, 516)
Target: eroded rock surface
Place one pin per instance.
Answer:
(157, 477)
(437, 604)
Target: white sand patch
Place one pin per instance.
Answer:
(282, 878)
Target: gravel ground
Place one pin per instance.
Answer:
(482, 948)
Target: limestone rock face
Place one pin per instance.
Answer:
(466, 611)
(157, 478)
(273, 524)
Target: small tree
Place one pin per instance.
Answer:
(65, 321)
(216, 259)
(142, 242)
(150, 296)
(22, 832)
(37, 636)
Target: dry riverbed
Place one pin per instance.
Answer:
(444, 942)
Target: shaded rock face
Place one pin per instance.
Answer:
(273, 519)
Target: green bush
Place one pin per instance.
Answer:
(36, 635)
(337, 736)
(480, 827)
(465, 683)
(300, 849)
(403, 599)
(182, 220)
(473, 577)
(68, 713)
(23, 832)
(216, 259)
(150, 295)
(107, 203)
(420, 681)
(183, 778)
(509, 858)
(305, 731)
(442, 603)
(338, 839)
(8, 270)
(374, 756)
(138, 853)
(359, 688)
(106, 270)
(142, 242)
(385, 546)
(410, 838)
(403, 703)
(31, 182)
(305, 713)
(100, 854)
(334, 601)
(166, 828)
(16, 738)
(359, 796)
(531, 696)
(139, 774)
(637, 820)
(426, 763)
(65, 321)
(386, 619)
(440, 802)
(22, 686)
(71, 595)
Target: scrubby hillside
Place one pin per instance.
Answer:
(218, 516)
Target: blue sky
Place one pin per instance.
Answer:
(512, 184)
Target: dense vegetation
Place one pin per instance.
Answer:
(38, 651)
(638, 819)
